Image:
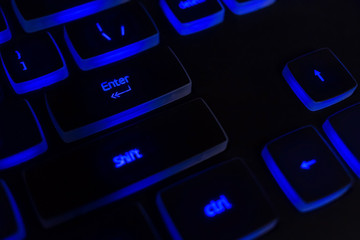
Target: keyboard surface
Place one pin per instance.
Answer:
(187, 95)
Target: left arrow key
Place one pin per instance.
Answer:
(308, 184)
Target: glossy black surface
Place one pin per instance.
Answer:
(236, 67)
(7, 219)
(308, 164)
(30, 58)
(87, 38)
(245, 210)
(321, 75)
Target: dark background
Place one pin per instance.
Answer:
(236, 68)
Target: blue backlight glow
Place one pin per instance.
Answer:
(121, 117)
(306, 99)
(216, 207)
(64, 16)
(290, 192)
(190, 3)
(341, 147)
(6, 34)
(27, 154)
(107, 86)
(241, 8)
(20, 233)
(137, 186)
(127, 157)
(40, 82)
(86, 64)
(194, 26)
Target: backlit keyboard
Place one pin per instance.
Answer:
(179, 119)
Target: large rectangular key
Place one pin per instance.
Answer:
(103, 98)
(124, 162)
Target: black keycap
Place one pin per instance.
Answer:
(125, 162)
(111, 35)
(241, 7)
(343, 130)
(306, 169)
(188, 17)
(224, 202)
(21, 137)
(37, 15)
(5, 33)
(33, 63)
(128, 222)
(12, 226)
(106, 97)
(319, 79)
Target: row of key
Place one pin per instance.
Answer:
(118, 93)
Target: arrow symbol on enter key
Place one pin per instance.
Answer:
(318, 74)
(308, 164)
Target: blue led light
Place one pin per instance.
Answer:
(341, 147)
(107, 86)
(64, 16)
(121, 117)
(241, 8)
(20, 233)
(115, 55)
(6, 34)
(40, 82)
(142, 184)
(194, 26)
(128, 157)
(306, 99)
(307, 165)
(216, 207)
(190, 3)
(102, 32)
(27, 154)
(261, 231)
(290, 192)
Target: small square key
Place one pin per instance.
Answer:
(5, 33)
(111, 36)
(343, 130)
(306, 169)
(223, 202)
(241, 7)
(33, 63)
(12, 226)
(191, 16)
(319, 79)
(36, 15)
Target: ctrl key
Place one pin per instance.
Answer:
(223, 202)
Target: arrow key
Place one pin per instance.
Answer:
(319, 79)
(306, 169)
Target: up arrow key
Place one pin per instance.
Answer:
(318, 74)
(308, 164)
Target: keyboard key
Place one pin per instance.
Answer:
(33, 63)
(343, 130)
(241, 7)
(12, 226)
(192, 16)
(21, 137)
(124, 162)
(224, 202)
(5, 33)
(111, 35)
(319, 79)
(106, 97)
(37, 15)
(127, 222)
(306, 169)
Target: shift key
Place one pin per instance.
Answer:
(124, 162)
(103, 98)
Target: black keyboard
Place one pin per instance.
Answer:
(179, 119)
